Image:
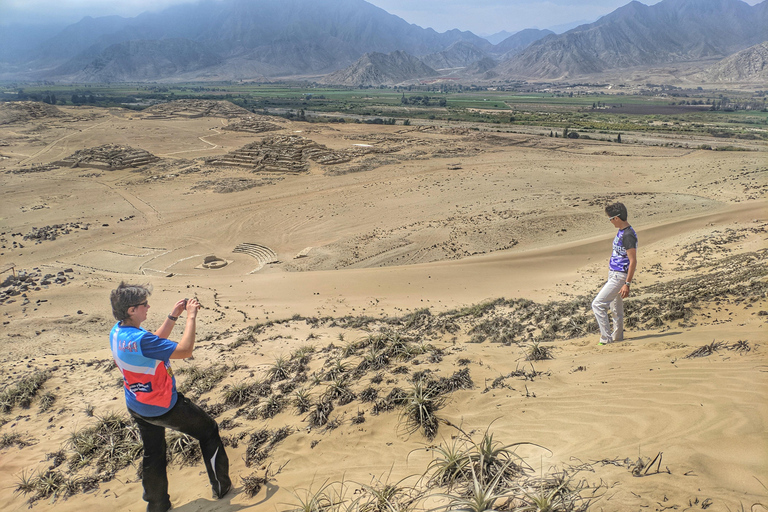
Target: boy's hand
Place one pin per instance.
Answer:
(624, 292)
(192, 307)
(179, 307)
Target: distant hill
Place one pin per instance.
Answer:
(234, 39)
(459, 54)
(498, 37)
(145, 60)
(263, 39)
(380, 69)
(519, 41)
(482, 67)
(750, 65)
(637, 34)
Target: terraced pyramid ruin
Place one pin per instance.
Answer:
(281, 154)
(110, 157)
(252, 124)
(23, 111)
(191, 109)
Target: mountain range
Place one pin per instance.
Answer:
(353, 42)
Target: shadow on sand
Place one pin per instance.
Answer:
(224, 504)
(651, 336)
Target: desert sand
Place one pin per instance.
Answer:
(316, 239)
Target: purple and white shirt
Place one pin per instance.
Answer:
(625, 239)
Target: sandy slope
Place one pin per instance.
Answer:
(442, 219)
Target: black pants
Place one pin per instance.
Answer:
(190, 419)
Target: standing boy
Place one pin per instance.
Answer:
(622, 267)
(151, 395)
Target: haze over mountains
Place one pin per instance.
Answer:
(353, 42)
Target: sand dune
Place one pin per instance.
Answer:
(442, 219)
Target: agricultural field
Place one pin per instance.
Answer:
(737, 116)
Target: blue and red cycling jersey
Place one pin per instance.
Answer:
(144, 360)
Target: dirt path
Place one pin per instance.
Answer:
(53, 144)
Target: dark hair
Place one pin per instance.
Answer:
(617, 210)
(126, 296)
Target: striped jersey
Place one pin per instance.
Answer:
(144, 360)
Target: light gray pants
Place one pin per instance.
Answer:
(609, 298)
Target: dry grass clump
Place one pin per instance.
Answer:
(262, 442)
(23, 392)
(183, 449)
(538, 352)
(339, 390)
(46, 401)
(373, 359)
(280, 369)
(489, 475)
(460, 463)
(272, 406)
(383, 496)
(112, 444)
(302, 400)
(319, 415)
(498, 329)
(51, 484)
(7, 440)
(466, 476)
(554, 493)
(740, 346)
(302, 356)
(335, 369)
(644, 466)
(706, 350)
(459, 380)
(238, 394)
(420, 404)
(378, 496)
(369, 394)
(252, 484)
(201, 380)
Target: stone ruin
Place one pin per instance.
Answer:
(192, 109)
(23, 111)
(21, 285)
(281, 154)
(263, 254)
(54, 231)
(213, 262)
(110, 157)
(252, 124)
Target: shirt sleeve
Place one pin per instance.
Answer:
(629, 240)
(154, 347)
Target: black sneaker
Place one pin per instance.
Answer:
(223, 492)
(160, 508)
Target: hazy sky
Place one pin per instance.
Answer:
(479, 16)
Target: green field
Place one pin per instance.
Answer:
(743, 116)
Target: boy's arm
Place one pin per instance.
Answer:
(632, 255)
(165, 329)
(187, 344)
